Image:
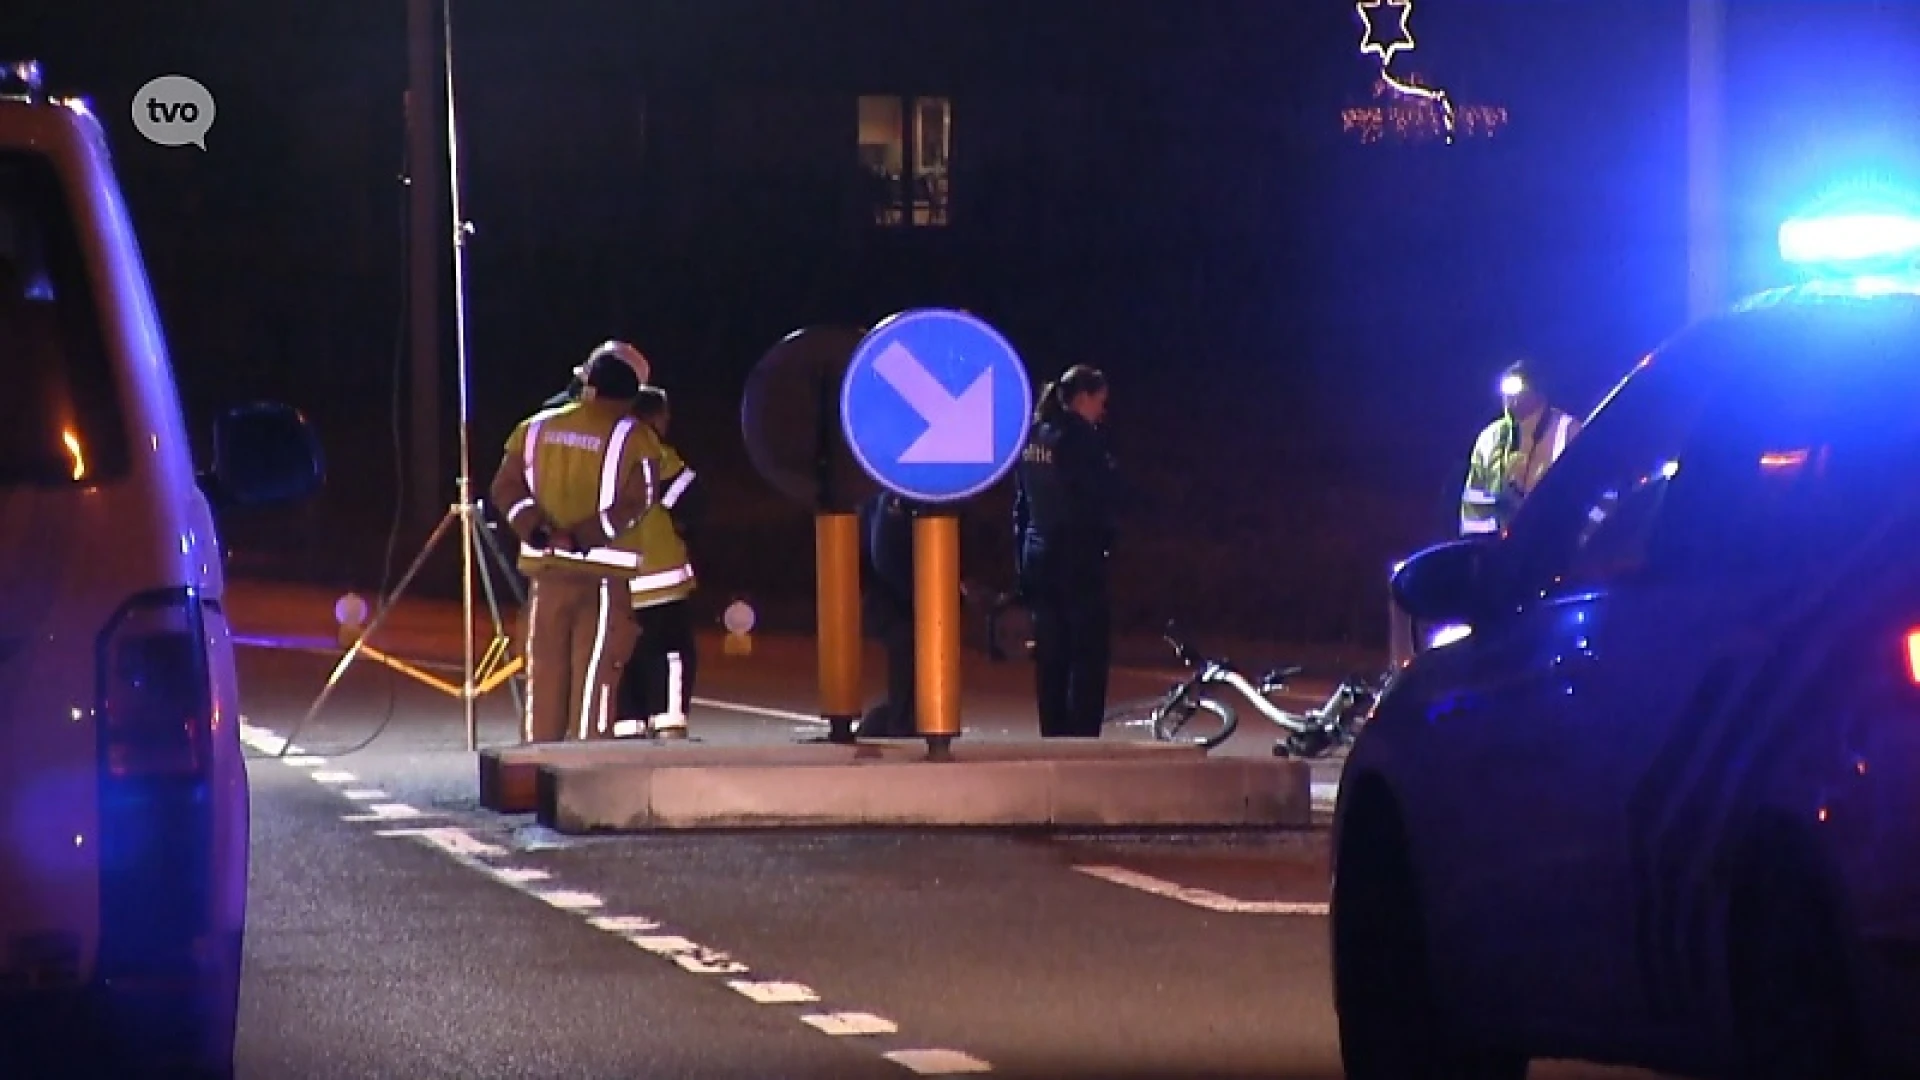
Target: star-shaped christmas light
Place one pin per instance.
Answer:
(1385, 33)
(1386, 26)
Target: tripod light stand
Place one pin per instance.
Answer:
(479, 557)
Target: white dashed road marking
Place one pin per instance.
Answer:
(620, 924)
(647, 934)
(664, 945)
(1202, 898)
(938, 1062)
(568, 899)
(774, 993)
(513, 875)
(705, 961)
(261, 739)
(850, 1023)
(451, 841)
(387, 811)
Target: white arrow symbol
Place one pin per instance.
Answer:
(959, 429)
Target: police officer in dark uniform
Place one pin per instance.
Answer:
(1063, 515)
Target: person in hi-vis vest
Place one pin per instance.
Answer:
(657, 690)
(576, 482)
(1512, 454)
(497, 532)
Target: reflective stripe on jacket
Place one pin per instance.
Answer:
(1509, 459)
(666, 570)
(587, 470)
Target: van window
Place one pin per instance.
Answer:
(59, 411)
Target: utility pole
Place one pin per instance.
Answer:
(427, 249)
(1706, 127)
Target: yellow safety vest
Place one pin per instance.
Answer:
(577, 459)
(1509, 459)
(666, 573)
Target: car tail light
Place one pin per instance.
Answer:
(156, 697)
(157, 814)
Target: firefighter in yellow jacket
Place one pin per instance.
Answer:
(576, 483)
(657, 690)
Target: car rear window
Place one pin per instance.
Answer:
(1813, 440)
(59, 411)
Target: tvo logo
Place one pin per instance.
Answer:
(173, 110)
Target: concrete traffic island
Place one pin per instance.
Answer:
(639, 787)
(964, 445)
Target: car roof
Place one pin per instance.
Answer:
(1857, 292)
(1789, 334)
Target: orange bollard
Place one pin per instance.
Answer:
(936, 630)
(836, 543)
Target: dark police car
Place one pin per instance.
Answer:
(1661, 805)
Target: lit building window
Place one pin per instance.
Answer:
(1395, 117)
(906, 146)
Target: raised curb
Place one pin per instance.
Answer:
(1023, 786)
(508, 774)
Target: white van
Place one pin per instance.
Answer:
(123, 791)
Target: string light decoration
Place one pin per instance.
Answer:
(1392, 114)
(1386, 29)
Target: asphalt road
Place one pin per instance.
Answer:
(398, 931)
(371, 957)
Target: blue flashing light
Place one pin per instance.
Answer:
(1851, 239)
(1866, 225)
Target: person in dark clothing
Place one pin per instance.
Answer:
(886, 555)
(1063, 522)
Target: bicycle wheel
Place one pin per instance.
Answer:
(1174, 720)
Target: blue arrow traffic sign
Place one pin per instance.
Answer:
(935, 405)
